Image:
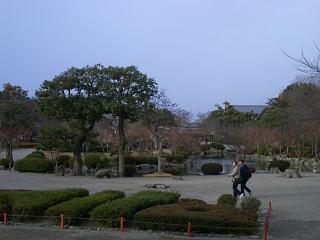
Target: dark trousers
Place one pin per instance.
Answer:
(244, 187)
(235, 184)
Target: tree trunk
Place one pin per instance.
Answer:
(159, 155)
(122, 145)
(9, 154)
(77, 143)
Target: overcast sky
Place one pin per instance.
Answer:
(202, 52)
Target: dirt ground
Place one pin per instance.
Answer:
(295, 202)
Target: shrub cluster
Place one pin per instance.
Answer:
(127, 207)
(130, 170)
(4, 162)
(34, 203)
(281, 164)
(65, 160)
(227, 199)
(38, 165)
(95, 160)
(176, 171)
(204, 218)
(179, 158)
(80, 207)
(251, 204)
(35, 154)
(141, 159)
(211, 168)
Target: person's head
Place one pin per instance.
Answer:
(234, 163)
(241, 161)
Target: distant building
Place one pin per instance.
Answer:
(250, 108)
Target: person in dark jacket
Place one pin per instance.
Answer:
(245, 174)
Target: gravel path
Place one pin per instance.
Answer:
(295, 201)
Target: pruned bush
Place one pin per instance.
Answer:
(250, 203)
(281, 164)
(130, 170)
(211, 168)
(179, 158)
(176, 171)
(141, 159)
(262, 164)
(80, 207)
(227, 199)
(36, 203)
(35, 154)
(218, 146)
(37, 165)
(109, 214)
(221, 218)
(4, 162)
(263, 150)
(95, 160)
(65, 160)
(5, 204)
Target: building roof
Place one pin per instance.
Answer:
(250, 108)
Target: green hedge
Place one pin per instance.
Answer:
(130, 170)
(227, 199)
(141, 159)
(4, 162)
(204, 218)
(250, 203)
(34, 203)
(37, 165)
(281, 164)
(80, 207)
(127, 207)
(176, 171)
(95, 160)
(35, 154)
(211, 168)
(176, 158)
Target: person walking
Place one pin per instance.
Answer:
(235, 174)
(245, 175)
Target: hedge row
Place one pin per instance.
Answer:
(80, 207)
(34, 203)
(204, 218)
(141, 159)
(129, 206)
(37, 165)
(211, 168)
(281, 164)
(4, 162)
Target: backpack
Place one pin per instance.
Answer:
(246, 172)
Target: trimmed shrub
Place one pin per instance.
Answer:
(37, 165)
(35, 154)
(211, 168)
(95, 160)
(141, 159)
(262, 164)
(34, 203)
(179, 158)
(65, 160)
(281, 164)
(5, 204)
(250, 203)
(227, 199)
(176, 171)
(221, 218)
(218, 146)
(80, 207)
(130, 170)
(4, 162)
(129, 206)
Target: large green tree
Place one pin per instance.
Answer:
(16, 116)
(74, 96)
(127, 92)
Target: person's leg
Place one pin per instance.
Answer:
(235, 184)
(246, 188)
(243, 184)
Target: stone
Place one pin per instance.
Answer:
(157, 186)
(85, 170)
(102, 173)
(179, 178)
